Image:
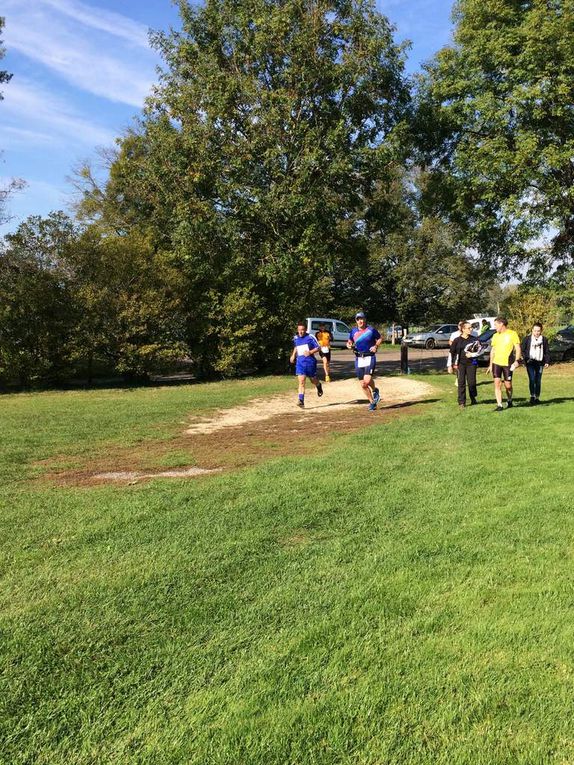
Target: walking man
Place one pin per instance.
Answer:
(505, 344)
(325, 338)
(536, 356)
(464, 351)
(364, 340)
(305, 348)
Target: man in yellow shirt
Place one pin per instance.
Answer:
(505, 343)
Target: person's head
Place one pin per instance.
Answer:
(485, 321)
(322, 327)
(465, 328)
(500, 323)
(301, 328)
(537, 329)
(361, 319)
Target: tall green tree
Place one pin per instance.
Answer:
(257, 162)
(496, 127)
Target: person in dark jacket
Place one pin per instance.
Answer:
(536, 356)
(464, 351)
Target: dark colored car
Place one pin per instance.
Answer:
(562, 347)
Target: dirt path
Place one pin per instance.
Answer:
(338, 396)
(247, 435)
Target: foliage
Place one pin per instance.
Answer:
(526, 305)
(496, 127)
(4, 75)
(35, 301)
(257, 162)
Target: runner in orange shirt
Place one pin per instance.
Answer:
(325, 338)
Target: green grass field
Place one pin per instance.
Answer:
(405, 595)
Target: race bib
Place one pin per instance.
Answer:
(364, 361)
(325, 348)
(302, 348)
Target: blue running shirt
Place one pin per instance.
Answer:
(364, 339)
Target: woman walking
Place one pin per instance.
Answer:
(536, 356)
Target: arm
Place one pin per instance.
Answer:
(545, 352)
(350, 342)
(378, 341)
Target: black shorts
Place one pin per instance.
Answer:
(326, 355)
(503, 372)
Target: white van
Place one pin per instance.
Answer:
(338, 329)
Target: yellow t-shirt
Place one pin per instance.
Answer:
(324, 339)
(503, 344)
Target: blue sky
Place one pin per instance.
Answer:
(82, 69)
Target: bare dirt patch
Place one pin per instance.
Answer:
(247, 435)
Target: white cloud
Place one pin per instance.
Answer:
(44, 114)
(107, 21)
(67, 38)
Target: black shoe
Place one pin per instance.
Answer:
(473, 402)
(301, 404)
(319, 390)
(536, 400)
(509, 404)
(499, 409)
(532, 400)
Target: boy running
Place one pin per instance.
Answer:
(325, 338)
(304, 351)
(365, 340)
(504, 343)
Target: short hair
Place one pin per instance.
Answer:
(466, 324)
(460, 323)
(537, 324)
(502, 320)
(302, 324)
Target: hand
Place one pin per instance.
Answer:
(449, 370)
(455, 367)
(488, 370)
(306, 353)
(373, 349)
(349, 344)
(546, 366)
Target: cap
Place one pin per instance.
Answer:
(360, 315)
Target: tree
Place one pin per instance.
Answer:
(15, 184)
(258, 160)
(496, 128)
(526, 305)
(4, 75)
(36, 305)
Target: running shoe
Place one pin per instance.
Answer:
(509, 404)
(372, 407)
(327, 378)
(376, 396)
(499, 409)
(301, 404)
(319, 390)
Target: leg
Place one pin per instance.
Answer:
(531, 369)
(538, 381)
(498, 391)
(472, 389)
(317, 384)
(368, 387)
(508, 386)
(461, 377)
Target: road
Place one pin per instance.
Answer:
(420, 360)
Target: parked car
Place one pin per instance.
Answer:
(486, 341)
(435, 336)
(562, 347)
(338, 329)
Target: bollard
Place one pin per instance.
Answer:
(405, 359)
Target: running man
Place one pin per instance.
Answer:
(325, 338)
(505, 342)
(305, 348)
(364, 340)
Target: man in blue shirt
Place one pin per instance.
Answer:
(303, 356)
(364, 340)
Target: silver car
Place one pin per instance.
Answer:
(435, 336)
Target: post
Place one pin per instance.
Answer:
(404, 358)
